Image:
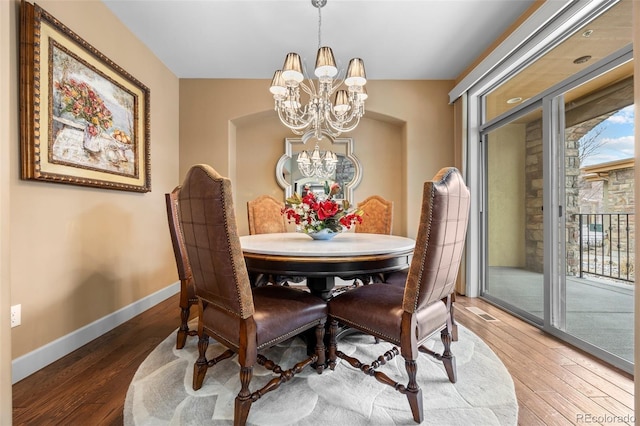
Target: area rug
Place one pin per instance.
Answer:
(161, 393)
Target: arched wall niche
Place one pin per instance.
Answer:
(414, 117)
(257, 141)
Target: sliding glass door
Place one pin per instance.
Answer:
(598, 174)
(514, 227)
(556, 166)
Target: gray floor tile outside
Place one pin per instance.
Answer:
(599, 312)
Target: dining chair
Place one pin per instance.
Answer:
(399, 278)
(378, 215)
(187, 290)
(265, 215)
(377, 219)
(244, 319)
(408, 315)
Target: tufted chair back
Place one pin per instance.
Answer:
(243, 319)
(408, 313)
(378, 215)
(213, 246)
(440, 240)
(265, 215)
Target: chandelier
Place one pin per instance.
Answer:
(321, 114)
(317, 164)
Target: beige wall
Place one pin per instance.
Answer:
(72, 255)
(260, 144)
(78, 254)
(8, 132)
(406, 138)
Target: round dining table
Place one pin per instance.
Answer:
(347, 255)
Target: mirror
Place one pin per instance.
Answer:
(348, 171)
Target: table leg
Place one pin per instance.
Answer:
(321, 286)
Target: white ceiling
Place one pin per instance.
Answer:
(398, 40)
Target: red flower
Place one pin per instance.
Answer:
(327, 209)
(350, 219)
(312, 212)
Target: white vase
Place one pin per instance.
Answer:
(323, 234)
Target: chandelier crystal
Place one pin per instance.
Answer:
(321, 114)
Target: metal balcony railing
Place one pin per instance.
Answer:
(606, 245)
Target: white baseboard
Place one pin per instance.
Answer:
(35, 360)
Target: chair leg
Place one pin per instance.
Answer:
(333, 331)
(201, 365)
(243, 400)
(320, 349)
(454, 326)
(448, 359)
(413, 391)
(183, 331)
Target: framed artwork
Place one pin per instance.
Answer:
(83, 119)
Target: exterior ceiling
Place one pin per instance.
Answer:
(609, 32)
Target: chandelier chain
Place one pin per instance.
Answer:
(319, 27)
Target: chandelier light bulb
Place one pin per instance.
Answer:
(363, 95)
(342, 102)
(355, 73)
(278, 85)
(325, 63)
(292, 69)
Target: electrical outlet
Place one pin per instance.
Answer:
(16, 314)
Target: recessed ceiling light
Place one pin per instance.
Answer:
(582, 59)
(587, 33)
(514, 100)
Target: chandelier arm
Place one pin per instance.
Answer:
(335, 85)
(309, 89)
(305, 122)
(339, 125)
(337, 121)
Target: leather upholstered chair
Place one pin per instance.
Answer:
(408, 315)
(265, 215)
(378, 215)
(246, 320)
(187, 290)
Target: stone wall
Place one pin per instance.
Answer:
(534, 242)
(573, 203)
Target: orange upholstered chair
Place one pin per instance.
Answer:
(378, 215)
(265, 215)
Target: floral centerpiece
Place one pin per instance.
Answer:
(320, 216)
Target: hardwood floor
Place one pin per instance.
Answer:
(555, 383)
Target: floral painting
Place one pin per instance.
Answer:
(92, 118)
(84, 119)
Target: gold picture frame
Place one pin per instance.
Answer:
(83, 119)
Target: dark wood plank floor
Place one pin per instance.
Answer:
(555, 383)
